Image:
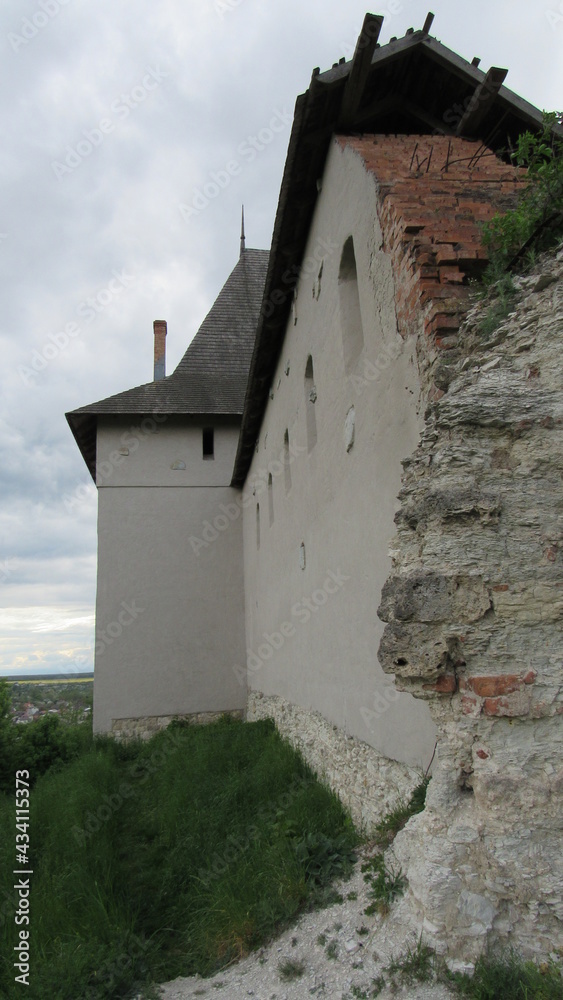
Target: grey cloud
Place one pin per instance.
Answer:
(118, 208)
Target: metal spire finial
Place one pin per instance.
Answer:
(242, 239)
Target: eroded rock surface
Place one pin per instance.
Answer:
(474, 612)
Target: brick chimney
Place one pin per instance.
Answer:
(159, 327)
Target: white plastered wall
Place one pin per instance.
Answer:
(314, 584)
(170, 602)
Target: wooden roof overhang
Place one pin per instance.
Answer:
(412, 85)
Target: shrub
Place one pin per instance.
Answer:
(386, 884)
(537, 220)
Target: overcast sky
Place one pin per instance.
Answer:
(115, 115)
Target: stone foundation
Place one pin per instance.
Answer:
(368, 784)
(144, 728)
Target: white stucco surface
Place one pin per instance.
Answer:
(314, 584)
(163, 450)
(170, 602)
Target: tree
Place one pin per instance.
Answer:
(6, 738)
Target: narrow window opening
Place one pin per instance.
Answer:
(310, 400)
(208, 443)
(286, 462)
(350, 313)
(257, 525)
(270, 500)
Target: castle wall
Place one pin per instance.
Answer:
(472, 600)
(170, 603)
(332, 440)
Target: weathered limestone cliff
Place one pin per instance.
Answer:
(474, 612)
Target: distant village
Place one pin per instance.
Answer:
(71, 702)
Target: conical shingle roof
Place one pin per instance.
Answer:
(211, 378)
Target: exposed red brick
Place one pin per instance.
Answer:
(482, 754)
(530, 677)
(431, 218)
(503, 707)
(451, 275)
(469, 706)
(501, 587)
(491, 687)
(446, 684)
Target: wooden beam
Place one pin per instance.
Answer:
(428, 22)
(396, 103)
(359, 71)
(481, 102)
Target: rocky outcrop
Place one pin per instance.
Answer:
(474, 613)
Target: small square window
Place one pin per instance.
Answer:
(208, 444)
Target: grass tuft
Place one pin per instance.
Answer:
(416, 965)
(332, 950)
(388, 828)
(385, 884)
(290, 969)
(507, 977)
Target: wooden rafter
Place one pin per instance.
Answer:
(483, 98)
(359, 71)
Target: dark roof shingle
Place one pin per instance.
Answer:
(211, 378)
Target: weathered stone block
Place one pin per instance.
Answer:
(432, 597)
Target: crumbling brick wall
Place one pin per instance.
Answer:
(434, 194)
